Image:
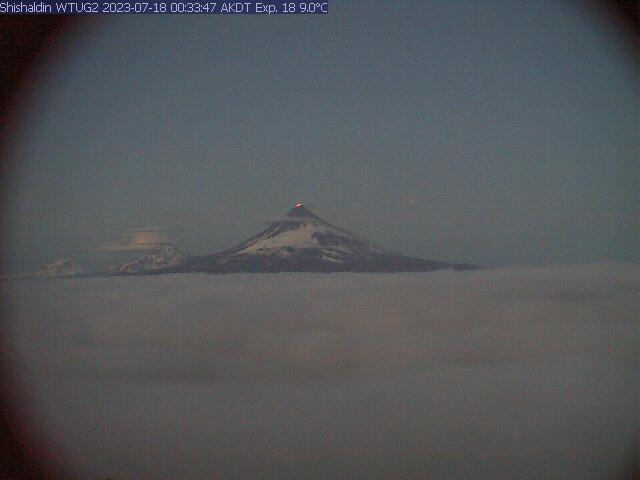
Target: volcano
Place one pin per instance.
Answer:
(160, 258)
(302, 242)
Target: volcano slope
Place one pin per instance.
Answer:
(303, 242)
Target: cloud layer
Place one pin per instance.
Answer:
(137, 240)
(337, 376)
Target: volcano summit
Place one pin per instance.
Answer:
(303, 242)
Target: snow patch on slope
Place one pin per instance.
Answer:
(164, 256)
(61, 268)
(301, 237)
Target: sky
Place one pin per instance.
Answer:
(498, 133)
(496, 373)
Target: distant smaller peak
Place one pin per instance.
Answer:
(300, 211)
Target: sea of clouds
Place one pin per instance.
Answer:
(509, 373)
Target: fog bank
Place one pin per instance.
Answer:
(527, 373)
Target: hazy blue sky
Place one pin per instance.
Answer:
(494, 132)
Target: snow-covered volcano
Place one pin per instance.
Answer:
(303, 242)
(162, 257)
(61, 268)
